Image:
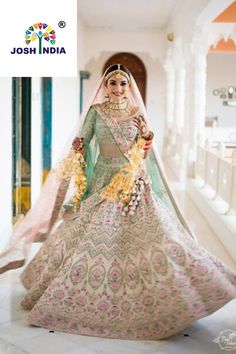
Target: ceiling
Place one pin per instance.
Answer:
(126, 14)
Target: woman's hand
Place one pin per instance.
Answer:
(78, 144)
(141, 124)
(147, 148)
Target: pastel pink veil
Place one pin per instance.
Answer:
(44, 217)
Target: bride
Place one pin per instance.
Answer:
(119, 259)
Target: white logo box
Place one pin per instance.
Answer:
(19, 59)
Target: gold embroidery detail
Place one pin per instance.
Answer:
(73, 167)
(122, 184)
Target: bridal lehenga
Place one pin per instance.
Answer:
(118, 270)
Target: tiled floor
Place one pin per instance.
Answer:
(17, 337)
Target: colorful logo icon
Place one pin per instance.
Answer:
(44, 36)
(40, 31)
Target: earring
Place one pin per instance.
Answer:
(106, 95)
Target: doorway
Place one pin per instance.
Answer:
(135, 66)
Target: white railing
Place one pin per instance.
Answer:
(175, 144)
(226, 134)
(178, 146)
(218, 171)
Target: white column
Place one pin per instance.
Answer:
(170, 91)
(197, 118)
(36, 141)
(170, 98)
(179, 99)
(181, 146)
(170, 94)
(5, 158)
(65, 113)
(179, 63)
(197, 115)
(200, 93)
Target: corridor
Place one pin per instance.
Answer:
(175, 63)
(16, 337)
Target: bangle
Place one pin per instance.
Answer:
(76, 145)
(149, 136)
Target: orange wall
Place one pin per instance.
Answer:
(228, 15)
(222, 46)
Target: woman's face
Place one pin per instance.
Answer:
(117, 87)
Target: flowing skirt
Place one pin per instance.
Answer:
(137, 276)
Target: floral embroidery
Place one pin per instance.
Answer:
(145, 269)
(132, 277)
(79, 271)
(96, 275)
(176, 253)
(115, 276)
(159, 261)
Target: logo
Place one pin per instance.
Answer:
(44, 36)
(226, 340)
(61, 24)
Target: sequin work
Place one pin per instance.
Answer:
(137, 276)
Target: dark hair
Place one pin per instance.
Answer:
(116, 67)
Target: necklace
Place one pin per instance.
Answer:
(117, 109)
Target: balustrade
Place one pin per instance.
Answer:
(218, 171)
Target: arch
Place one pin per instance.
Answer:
(136, 67)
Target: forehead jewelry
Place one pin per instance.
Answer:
(118, 74)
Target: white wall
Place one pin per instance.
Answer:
(150, 41)
(220, 73)
(80, 45)
(36, 141)
(155, 91)
(184, 19)
(149, 46)
(65, 113)
(5, 158)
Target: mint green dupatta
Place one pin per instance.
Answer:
(152, 164)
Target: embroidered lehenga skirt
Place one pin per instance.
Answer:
(135, 276)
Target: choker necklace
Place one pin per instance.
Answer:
(117, 109)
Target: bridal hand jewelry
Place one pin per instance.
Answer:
(78, 144)
(141, 124)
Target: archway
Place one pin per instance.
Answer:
(136, 67)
